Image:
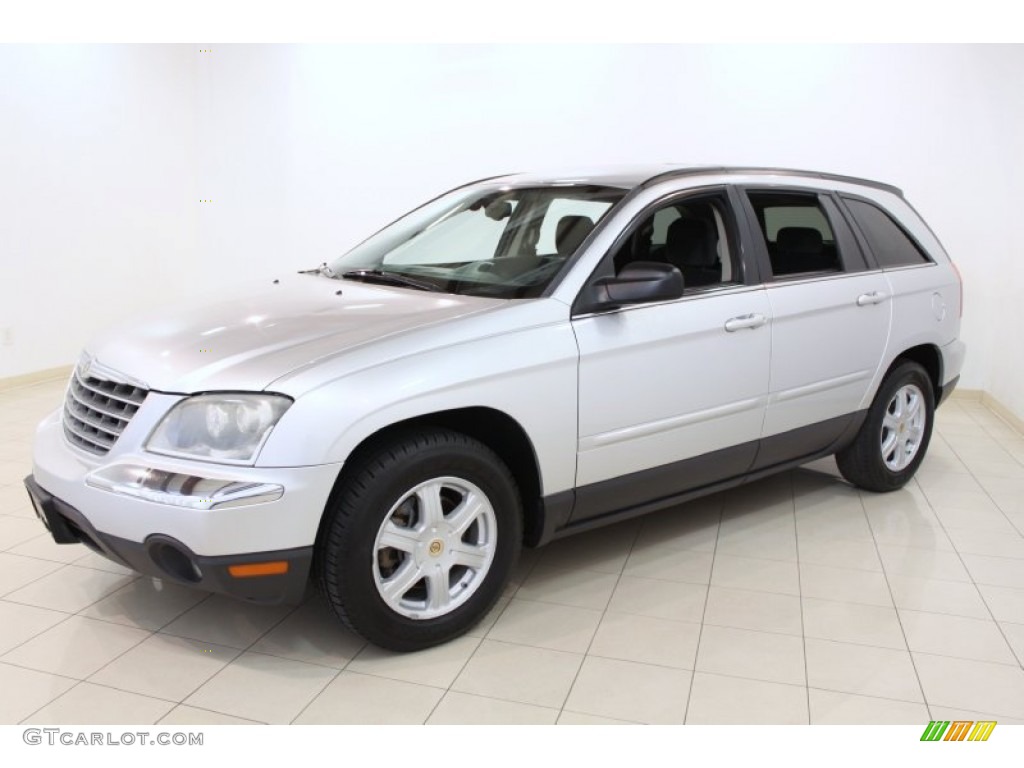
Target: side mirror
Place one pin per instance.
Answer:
(637, 283)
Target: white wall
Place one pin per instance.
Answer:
(304, 150)
(1003, 296)
(97, 188)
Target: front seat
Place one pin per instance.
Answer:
(692, 246)
(570, 232)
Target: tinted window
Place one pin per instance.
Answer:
(691, 235)
(778, 217)
(890, 244)
(797, 233)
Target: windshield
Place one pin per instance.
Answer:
(501, 242)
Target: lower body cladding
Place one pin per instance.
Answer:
(259, 577)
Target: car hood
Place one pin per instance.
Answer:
(248, 339)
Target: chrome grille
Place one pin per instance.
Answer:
(96, 411)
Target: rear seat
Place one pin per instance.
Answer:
(801, 249)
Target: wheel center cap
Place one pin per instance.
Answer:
(435, 548)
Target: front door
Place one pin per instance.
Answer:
(672, 394)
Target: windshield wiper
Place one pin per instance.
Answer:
(389, 278)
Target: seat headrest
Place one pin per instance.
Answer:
(691, 243)
(570, 232)
(803, 241)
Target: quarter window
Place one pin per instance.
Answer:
(797, 233)
(890, 244)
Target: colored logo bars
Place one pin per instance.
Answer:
(958, 730)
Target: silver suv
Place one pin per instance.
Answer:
(517, 360)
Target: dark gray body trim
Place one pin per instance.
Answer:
(620, 498)
(947, 389)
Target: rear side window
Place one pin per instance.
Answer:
(890, 244)
(797, 233)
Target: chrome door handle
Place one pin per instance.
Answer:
(744, 321)
(875, 297)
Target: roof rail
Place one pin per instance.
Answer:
(701, 171)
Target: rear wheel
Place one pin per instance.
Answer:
(420, 540)
(893, 440)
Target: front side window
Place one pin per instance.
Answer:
(483, 241)
(890, 244)
(796, 232)
(692, 235)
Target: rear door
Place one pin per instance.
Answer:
(831, 316)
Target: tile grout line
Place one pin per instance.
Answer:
(240, 653)
(1004, 422)
(243, 651)
(1009, 645)
(800, 591)
(704, 611)
(212, 712)
(604, 612)
(480, 641)
(448, 689)
(151, 634)
(80, 681)
(344, 668)
(356, 655)
(722, 626)
(974, 582)
(319, 693)
(895, 608)
(61, 567)
(6, 595)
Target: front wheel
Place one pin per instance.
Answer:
(893, 440)
(420, 540)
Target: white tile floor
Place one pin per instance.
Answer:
(793, 600)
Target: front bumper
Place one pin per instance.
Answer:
(193, 545)
(167, 558)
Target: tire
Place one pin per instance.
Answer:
(434, 504)
(893, 440)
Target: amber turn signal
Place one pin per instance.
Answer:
(258, 569)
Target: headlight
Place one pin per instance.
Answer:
(226, 428)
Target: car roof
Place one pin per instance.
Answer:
(630, 177)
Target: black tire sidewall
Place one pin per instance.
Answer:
(906, 373)
(384, 482)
